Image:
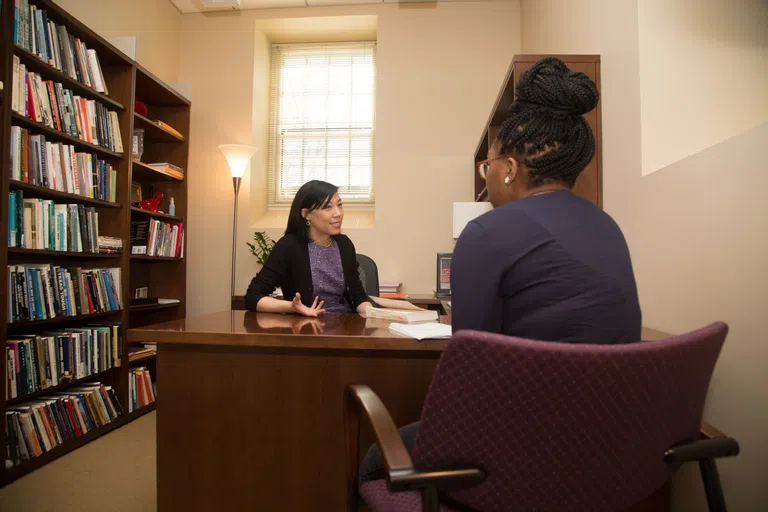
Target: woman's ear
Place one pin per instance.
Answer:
(514, 169)
(304, 213)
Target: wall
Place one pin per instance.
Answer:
(439, 70)
(691, 52)
(695, 228)
(154, 23)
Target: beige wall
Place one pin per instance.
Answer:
(703, 75)
(439, 70)
(695, 229)
(154, 23)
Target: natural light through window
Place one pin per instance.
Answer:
(322, 119)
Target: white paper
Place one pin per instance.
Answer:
(431, 330)
(396, 304)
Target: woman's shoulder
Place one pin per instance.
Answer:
(343, 241)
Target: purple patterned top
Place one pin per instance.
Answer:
(328, 277)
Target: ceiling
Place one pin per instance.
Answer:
(189, 6)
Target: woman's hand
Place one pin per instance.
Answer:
(362, 307)
(299, 307)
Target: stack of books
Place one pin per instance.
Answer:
(141, 391)
(168, 169)
(391, 290)
(142, 352)
(110, 245)
(39, 426)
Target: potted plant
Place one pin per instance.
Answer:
(262, 247)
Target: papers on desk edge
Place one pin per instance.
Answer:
(399, 311)
(431, 330)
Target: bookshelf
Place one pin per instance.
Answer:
(590, 182)
(165, 277)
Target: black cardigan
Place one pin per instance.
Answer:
(288, 267)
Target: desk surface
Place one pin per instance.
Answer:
(242, 328)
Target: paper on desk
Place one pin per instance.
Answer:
(396, 304)
(431, 330)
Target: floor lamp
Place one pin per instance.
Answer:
(238, 156)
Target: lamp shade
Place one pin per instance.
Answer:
(464, 213)
(237, 156)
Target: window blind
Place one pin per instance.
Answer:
(322, 119)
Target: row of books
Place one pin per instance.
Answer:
(51, 104)
(51, 42)
(38, 426)
(58, 166)
(40, 361)
(141, 391)
(110, 245)
(157, 238)
(139, 352)
(40, 292)
(42, 224)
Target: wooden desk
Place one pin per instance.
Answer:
(249, 405)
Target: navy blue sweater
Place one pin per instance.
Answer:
(551, 267)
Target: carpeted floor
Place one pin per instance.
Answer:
(115, 473)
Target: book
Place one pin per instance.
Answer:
(169, 128)
(43, 224)
(431, 330)
(141, 390)
(401, 315)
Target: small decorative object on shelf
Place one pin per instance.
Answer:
(153, 205)
(172, 207)
(135, 193)
(443, 288)
(138, 144)
(262, 248)
(140, 108)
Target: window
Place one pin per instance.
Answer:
(322, 119)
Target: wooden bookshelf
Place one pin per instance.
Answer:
(590, 182)
(127, 82)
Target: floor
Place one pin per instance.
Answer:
(115, 473)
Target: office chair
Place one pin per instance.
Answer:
(369, 275)
(515, 424)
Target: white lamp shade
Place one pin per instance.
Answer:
(237, 156)
(464, 213)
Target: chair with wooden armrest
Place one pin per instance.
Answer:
(514, 424)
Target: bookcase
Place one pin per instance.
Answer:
(590, 182)
(113, 170)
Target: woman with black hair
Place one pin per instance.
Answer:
(545, 264)
(314, 264)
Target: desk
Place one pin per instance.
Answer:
(249, 405)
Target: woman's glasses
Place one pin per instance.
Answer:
(484, 165)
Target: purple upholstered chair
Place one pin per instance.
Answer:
(514, 424)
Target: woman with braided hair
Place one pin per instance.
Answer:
(545, 264)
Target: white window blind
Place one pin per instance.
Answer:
(322, 119)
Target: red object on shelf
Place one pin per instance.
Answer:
(153, 205)
(140, 108)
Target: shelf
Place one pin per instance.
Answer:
(153, 131)
(34, 63)
(141, 171)
(61, 136)
(151, 90)
(143, 359)
(142, 257)
(59, 387)
(138, 413)
(152, 307)
(60, 254)
(61, 319)
(17, 472)
(156, 215)
(47, 193)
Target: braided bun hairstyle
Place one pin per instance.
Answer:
(546, 128)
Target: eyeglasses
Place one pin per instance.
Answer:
(484, 165)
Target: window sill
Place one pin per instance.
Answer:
(353, 219)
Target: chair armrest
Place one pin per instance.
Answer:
(452, 478)
(702, 449)
(707, 431)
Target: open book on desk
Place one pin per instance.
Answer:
(426, 331)
(399, 311)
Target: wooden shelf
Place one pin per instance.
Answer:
(47, 193)
(142, 257)
(34, 63)
(150, 89)
(142, 171)
(153, 132)
(153, 307)
(157, 215)
(59, 387)
(61, 319)
(138, 413)
(61, 136)
(28, 466)
(61, 254)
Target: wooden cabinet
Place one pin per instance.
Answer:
(590, 183)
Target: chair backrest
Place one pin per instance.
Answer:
(564, 426)
(369, 274)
